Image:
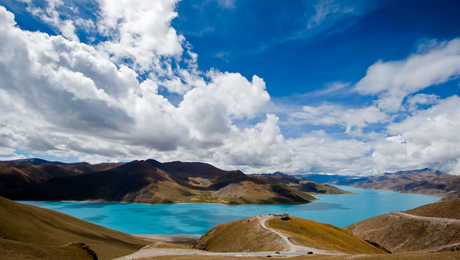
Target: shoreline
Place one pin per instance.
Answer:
(173, 203)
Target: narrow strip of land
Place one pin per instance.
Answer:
(432, 219)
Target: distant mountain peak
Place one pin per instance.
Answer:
(437, 172)
(38, 161)
(277, 173)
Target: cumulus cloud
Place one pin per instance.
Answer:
(319, 152)
(74, 98)
(139, 30)
(209, 110)
(413, 102)
(260, 146)
(51, 15)
(350, 118)
(392, 81)
(103, 101)
(429, 138)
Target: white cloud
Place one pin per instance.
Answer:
(229, 4)
(429, 138)
(258, 147)
(350, 118)
(74, 98)
(65, 98)
(140, 30)
(331, 88)
(210, 109)
(50, 15)
(392, 81)
(421, 99)
(318, 152)
(325, 8)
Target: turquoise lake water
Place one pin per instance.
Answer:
(197, 218)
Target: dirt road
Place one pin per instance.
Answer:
(292, 249)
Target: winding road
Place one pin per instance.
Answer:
(292, 249)
(291, 246)
(431, 219)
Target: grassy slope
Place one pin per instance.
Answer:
(13, 250)
(406, 256)
(248, 235)
(41, 233)
(401, 234)
(236, 193)
(322, 236)
(244, 235)
(424, 181)
(248, 192)
(442, 209)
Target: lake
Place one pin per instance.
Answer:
(197, 218)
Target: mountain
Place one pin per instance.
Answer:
(305, 185)
(441, 209)
(422, 181)
(28, 232)
(332, 178)
(431, 228)
(19, 175)
(149, 181)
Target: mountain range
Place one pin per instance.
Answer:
(149, 181)
(422, 181)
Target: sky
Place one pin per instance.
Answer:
(302, 86)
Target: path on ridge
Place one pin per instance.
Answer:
(432, 219)
(287, 240)
(292, 249)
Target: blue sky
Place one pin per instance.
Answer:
(355, 87)
(273, 41)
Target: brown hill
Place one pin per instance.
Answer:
(18, 175)
(423, 181)
(441, 209)
(246, 235)
(408, 231)
(402, 256)
(313, 234)
(28, 232)
(262, 233)
(150, 182)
